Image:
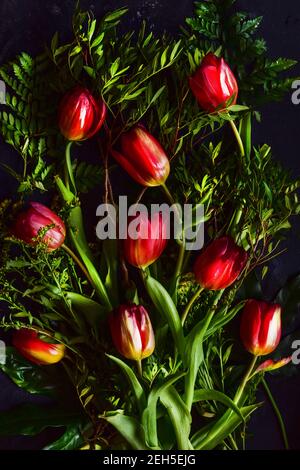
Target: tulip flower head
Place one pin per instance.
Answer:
(80, 115)
(149, 242)
(36, 350)
(142, 156)
(38, 217)
(132, 332)
(219, 264)
(260, 327)
(213, 84)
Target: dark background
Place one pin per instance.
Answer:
(27, 25)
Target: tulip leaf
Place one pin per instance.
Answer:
(129, 428)
(211, 436)
(33, 378)
(246, 133)
(221, 319)
(77, 234)
(149, 417)
(110, 251)
(206, 395)
(29, 420)
(92, 311)
(179, 416)
(166, 307)
(71, 439)
(194, 351)
(136, 387)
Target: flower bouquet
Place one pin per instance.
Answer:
(135, 246)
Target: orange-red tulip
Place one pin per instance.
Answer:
(35, 349)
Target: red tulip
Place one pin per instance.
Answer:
(142, 156)
(149, 242)
(213, 83)
(132, 332)
(219, 264)
(80, 115)
(260, 327)
(35, 349)
(36, 218)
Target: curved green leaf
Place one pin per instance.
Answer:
(165, 305)
(129, 428)
(71, 439)
(211, 436)
(149, 418)
(136, 387)
(179, 416)
(31, 377)
(203, 394)
(29, 420)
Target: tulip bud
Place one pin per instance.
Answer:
(219, 264)
(36, 350)
(260, 327)
(80, 115)
(38, 217)
(142, 157)
(213, 83)
(132, 332)
(148, 241)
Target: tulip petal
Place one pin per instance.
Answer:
(260, 327)
(269, 364)
(143, 157)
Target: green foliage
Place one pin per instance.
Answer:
(67, 296)
(29, 420)
(217, 27)
(29, 121)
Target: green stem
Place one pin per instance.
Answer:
(190, 304)
(232, 442)
(69, 175)
(277, 413)
(181, 253)
(139, 367)
(78, 238)
(243, 384)
(168, 194)
(78, 262)
(238, 138)
(178, 271)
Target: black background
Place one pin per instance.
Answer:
(29, 24)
